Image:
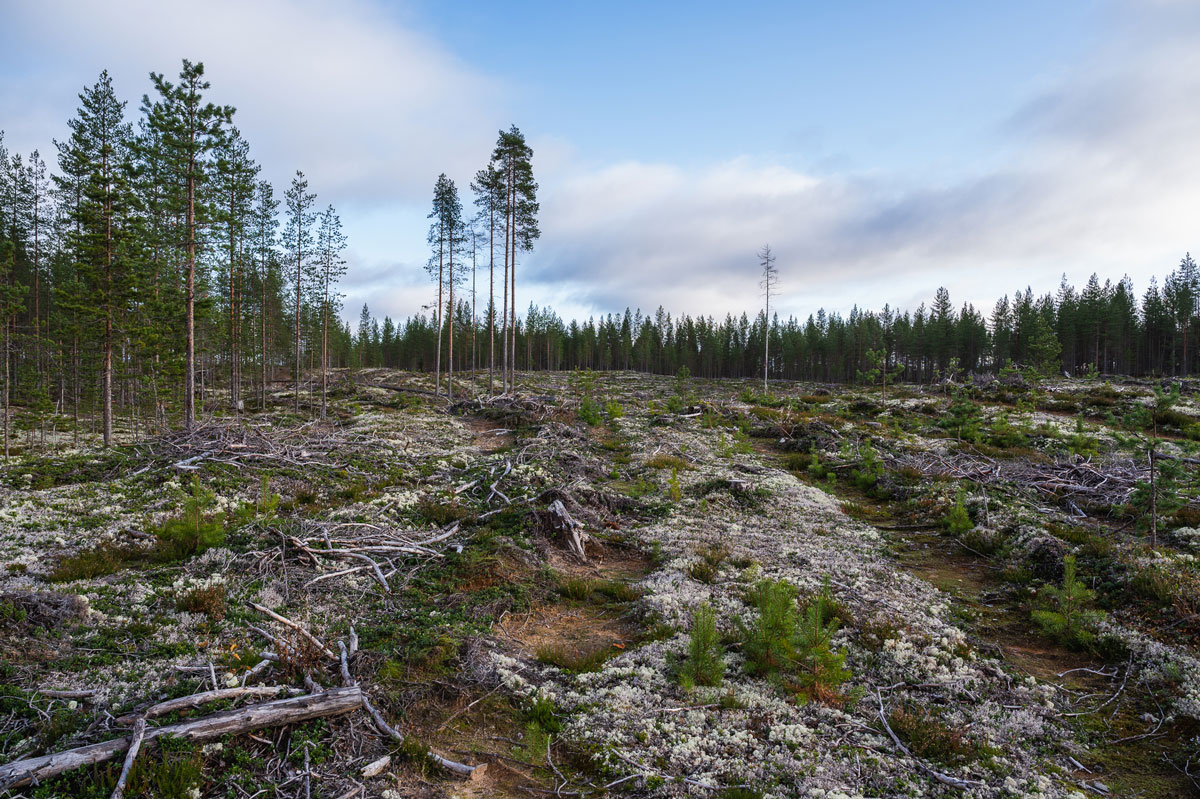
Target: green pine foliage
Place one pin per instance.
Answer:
(957, 520)
(1067, 614)
(195, 530)
(821, 670)
(767, 641)
(705, 662)
(793, 645)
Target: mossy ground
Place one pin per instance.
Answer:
(82, 525)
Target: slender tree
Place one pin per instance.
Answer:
(769, 280)
(235, 187)
(331, 242)
(265, 221)
(446, 237)
(297, 238)
(488, 188)
(100, 144)
(513, 159)
(190, 130)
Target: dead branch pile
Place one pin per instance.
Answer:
(377, 546)
(309, 445)
(1076, 482)
(534, 408)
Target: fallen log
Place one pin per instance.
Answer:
(194, 701)
(333, 702)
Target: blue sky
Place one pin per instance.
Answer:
(820, 85)
(882, 148)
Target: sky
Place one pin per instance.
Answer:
(882, 149)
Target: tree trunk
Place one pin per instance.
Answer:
(189, 381)
(333, 702)
(437, 369)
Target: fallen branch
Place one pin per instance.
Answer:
(297, 627)
(196, 700)
(135, 744)
(293, 710)
(945, 779)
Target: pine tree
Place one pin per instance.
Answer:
(297, 242)
(446, 237)
(190, 131)
(100, 147)
(488, 188)
(331, 242)
(264, 224)
(769, 281)
(235, 189)
(513, 159)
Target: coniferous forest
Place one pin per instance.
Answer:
(145, 264)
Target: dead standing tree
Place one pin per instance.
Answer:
(769, 281)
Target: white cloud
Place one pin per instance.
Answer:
(1101, 172)
(368, 108)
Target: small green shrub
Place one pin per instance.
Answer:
(442, 513)
(711, 558)
(957, 520)
(194, 531)
(929, 737)
(617, 591)
(210, 601)
(577, 588)
(822, 670)
(963, 418)
(589, 412)
(614, 410)
(870, 467)
(767, 642)
(1067, 616)
(668, 462)
(91, 563)
(705, 663)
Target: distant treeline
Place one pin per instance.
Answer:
(1104, 327)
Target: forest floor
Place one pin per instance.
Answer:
(515, 584)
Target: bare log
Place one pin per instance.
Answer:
(135, 743)
(196, 700)
(333, 702)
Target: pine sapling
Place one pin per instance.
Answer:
(705, 663)
(768, 642)
(822, 670)
(1068, 616)
(958, 521)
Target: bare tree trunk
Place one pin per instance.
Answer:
(263, 320)
(299, 259)
(491, 299)
(189, 381)
(504, 315)
(325, 342)
(474, 319)
(108, 305)
(437, 369)
(7, 379)
(1153, 492)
